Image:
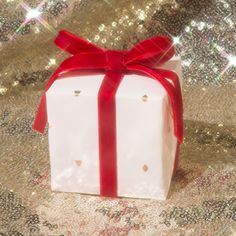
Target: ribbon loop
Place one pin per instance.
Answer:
(73, 44)
(152, 52)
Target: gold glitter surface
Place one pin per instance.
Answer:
(202, 198)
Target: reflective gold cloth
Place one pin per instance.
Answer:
(202, 199)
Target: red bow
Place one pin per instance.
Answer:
(140, 59)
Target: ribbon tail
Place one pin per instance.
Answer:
(41, 117)
(173, 77)
(174, 96)
(40, 120)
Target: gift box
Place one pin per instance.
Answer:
(116, 135)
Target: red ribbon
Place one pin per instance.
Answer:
(140, 59)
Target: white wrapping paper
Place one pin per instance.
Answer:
(146, 144)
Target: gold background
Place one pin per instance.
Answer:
(202, 197)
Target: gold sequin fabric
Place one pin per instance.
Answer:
(202, 198)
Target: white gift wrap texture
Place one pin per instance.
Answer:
(146, 143)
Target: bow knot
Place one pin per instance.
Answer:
(142, 58)
(115, 60)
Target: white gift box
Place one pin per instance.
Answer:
(146, 144)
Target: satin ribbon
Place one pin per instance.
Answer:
(140, 59)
